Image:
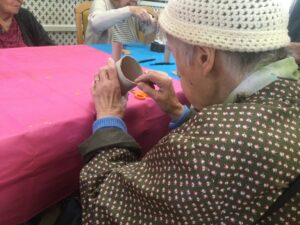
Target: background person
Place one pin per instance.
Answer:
(19, 28)
(227, 159)
(294, 30)
(294, 22)
(118, 20)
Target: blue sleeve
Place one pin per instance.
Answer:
(111, 121)
(183, 117)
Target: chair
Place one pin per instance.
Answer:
(82, 11)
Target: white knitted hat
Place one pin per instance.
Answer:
(234, 25)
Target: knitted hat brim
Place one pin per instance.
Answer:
(224, 39)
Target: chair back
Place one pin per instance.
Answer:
(82, 11)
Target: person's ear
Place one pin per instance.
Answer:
(205, 58)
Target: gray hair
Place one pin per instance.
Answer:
(241, 63)
(247, 62)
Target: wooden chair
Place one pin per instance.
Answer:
(82, 11)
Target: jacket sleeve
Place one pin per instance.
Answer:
(32, 31)
(101, 17)
(107, 150)
(110, 148)
(106, 138)
(40, 36)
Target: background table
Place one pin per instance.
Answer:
(141, 51)
(46, 112)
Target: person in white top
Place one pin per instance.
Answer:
(118, 20)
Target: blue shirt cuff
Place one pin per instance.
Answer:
(183, 117)
(110, 121)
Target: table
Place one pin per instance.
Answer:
(46, 112)
(141, 51)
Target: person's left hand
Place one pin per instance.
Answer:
(107, 93)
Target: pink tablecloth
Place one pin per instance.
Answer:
(46, 111)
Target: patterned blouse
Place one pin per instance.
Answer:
(225, 165)
(13, 38)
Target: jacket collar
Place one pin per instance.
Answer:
(282, 69)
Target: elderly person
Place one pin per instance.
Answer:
(19, 28)
(118, 20)
(231, 155)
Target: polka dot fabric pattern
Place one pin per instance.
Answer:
(226, 165)
(234, 25)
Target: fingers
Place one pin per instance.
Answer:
(142, 14)
(107, 72)
(93, 86)
(103, 74)
(153, 21)
(96, 78)
(148, 89)
(158, 78)
(164, 83)
(111, 68)
(148, 18)
(145, 16)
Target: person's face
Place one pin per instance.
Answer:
(10, 6)
(124, 3)
(193, 84)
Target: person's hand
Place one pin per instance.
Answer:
(142, 14)
(107, 93)
(295, 49)
(164, 95)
